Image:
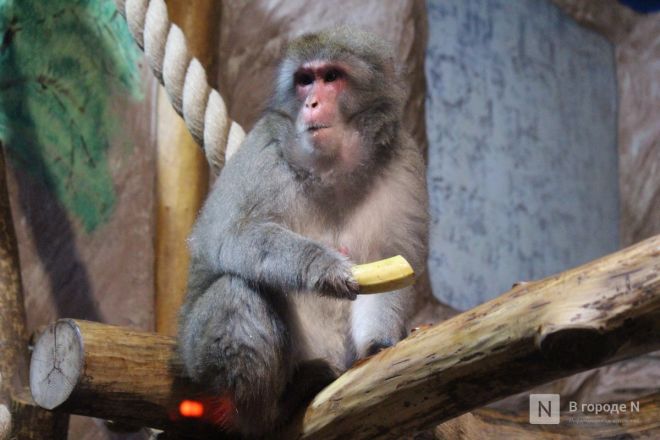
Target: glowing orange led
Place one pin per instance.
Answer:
(191, 408)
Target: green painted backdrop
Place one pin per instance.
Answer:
(60, 63)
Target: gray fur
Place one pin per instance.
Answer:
(268, 290)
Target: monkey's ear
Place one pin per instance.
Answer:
(390, 68)
(395, 73)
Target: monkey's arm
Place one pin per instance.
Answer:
(269, 254)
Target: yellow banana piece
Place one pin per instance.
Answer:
(384, 275)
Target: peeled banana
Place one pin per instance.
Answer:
(384, 275)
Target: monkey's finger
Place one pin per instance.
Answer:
(384, 275)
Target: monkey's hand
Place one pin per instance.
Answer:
(330, 273)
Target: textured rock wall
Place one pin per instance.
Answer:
(521, 116)
(638, 74)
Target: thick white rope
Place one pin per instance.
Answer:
(184, 78)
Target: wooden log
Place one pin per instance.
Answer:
(182, 170)
(537, 332)
(105, 371)
(31, 422)
(17, 420)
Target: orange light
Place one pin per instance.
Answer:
(191, 408)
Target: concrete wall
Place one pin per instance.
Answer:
(521, 117)
(638, 72)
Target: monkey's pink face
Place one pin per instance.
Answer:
(319, 86)
(327, 139)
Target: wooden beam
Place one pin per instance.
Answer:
(17, 419)
(589, 316)
(182, 170)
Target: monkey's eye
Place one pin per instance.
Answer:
(331, 75)
(303, 79)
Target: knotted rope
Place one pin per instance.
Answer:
(184, 78)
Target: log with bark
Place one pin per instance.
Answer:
(18, 417)
(589, 316)
(88, 368)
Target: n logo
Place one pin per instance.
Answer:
(544, 409)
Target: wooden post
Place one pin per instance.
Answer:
(18, 417)
(583, 318)
(182, 171)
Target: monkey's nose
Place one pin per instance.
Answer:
(312, 104)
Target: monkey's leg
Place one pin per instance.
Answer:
(235, 338)
(309, 378)
(379, 321)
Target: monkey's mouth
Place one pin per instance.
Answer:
(316, 127)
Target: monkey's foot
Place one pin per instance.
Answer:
(378, 346)
(421, 327)
(373, 349)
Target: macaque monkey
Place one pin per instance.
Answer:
(326, 179)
